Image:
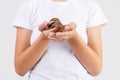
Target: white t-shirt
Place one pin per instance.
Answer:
(59, 61)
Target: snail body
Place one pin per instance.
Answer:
(55, 22)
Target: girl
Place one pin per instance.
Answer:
(74, 54)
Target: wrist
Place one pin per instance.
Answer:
(74, 37)
(44, 37)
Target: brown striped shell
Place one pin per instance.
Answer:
(55, 22)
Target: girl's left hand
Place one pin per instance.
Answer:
(67, 33)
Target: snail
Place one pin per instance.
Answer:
(55, 22)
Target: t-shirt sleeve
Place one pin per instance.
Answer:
(23, 17)
(95, 15)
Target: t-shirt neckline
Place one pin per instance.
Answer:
(63, 3)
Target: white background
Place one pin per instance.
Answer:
(111, 40)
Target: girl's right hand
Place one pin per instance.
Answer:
(48, 33)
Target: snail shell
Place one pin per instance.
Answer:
(55, 22)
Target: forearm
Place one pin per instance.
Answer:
(86, 55)
(29, 57)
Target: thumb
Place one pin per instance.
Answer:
(53, 29)
(43, 26)
(72, 25)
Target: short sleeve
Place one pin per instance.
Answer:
(23, 17)
(95, 15)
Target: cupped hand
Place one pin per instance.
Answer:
(48, 33)
(68, 33)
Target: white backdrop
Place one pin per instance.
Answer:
(111, 38)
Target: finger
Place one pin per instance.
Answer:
(72, 25)
(66, 38)
(43, 26)
(49, 37)
(51, 34)
(53, 38)
(68, 28)
(53, 29)
(63, 38)
(58, 39)
(62, 34)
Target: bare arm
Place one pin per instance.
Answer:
(89, 55)
(26, 55)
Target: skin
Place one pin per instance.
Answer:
(24, 57)
(59, 0)
(89, 55)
